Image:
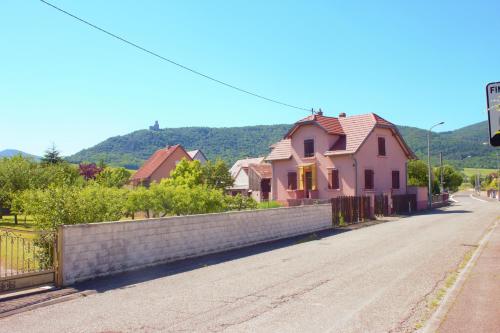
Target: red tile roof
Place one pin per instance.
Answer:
(263, 170)
(154, 162)
(352, 132)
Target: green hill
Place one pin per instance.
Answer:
(463, 147)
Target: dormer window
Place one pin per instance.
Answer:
(309, 148)
(381, 146)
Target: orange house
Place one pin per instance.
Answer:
(159, 165)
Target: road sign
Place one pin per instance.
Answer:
(493, 104)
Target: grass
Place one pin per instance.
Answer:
(268, 204)
(473, 171)
(451, 278)
(24, 223)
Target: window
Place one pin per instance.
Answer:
(368, 179)
(395, 180)
(292, 180)
(333, 179)
(309, 148)
(381, 146)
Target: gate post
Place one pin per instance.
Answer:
(58, 258)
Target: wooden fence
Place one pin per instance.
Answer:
(347, 210)
(382, 205)
(404, 203)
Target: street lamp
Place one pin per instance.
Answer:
(429, 162)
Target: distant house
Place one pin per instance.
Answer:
(324, 157)
(197, 155)
(239, 172)
(259, 181)
(159, 165)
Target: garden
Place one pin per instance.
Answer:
(43, 195)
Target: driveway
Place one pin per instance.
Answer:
(378, 279)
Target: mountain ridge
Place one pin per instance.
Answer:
(15, 152)
(462, 147)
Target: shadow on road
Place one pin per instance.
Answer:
(123, 280)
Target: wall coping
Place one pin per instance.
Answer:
(161, 219)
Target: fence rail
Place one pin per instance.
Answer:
(347, 210)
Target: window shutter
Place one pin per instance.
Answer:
(381, 146)
(395, 179)
(369, 179)
(292, 180)
(330, 178)
(336, 181)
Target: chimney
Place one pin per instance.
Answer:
(320, 112)
(342, 115)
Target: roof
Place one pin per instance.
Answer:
(263, 170)
(244, 164)
(330, 124)
(193, 153)
(282, 151)
(154, 162)
(352, 132)
(357, 129)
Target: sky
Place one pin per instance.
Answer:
(414, 63)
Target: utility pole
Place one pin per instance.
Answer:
(441, 171)
(429, 175)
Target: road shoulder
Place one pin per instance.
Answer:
(473, 304)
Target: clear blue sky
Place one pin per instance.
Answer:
(415, 63)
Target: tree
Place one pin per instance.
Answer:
(16, 175)
(216, 175)
(187, 173)
(452, 178)
(57, 205)
(89, 170)
(113, 177)
(52, 156)
(417, 173)
(139, 200)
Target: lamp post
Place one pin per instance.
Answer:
(429, 189)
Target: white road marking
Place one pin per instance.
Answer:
(453, 199)
(473, 197)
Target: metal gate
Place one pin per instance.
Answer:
(27, 258)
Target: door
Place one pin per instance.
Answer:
(308, 183)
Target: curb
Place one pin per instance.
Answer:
(439, 315)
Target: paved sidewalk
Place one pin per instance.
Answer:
(477, 306)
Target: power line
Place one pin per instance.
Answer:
(171, 61)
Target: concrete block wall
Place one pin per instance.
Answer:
(98, 249)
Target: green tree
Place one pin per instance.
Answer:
(452, 178)
(52, 156)
(417, 173)
(57, 205)
(16, 175)
(216, 175)
(188, 173)
(113, 177)
(139, 200)
(239, 202)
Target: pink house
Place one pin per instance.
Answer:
(323, 157)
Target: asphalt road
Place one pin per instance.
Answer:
(375, 279)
